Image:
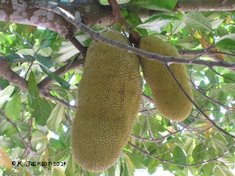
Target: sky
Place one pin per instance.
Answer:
(159, 172)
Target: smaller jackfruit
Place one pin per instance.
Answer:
(108, 101)
(169, 98)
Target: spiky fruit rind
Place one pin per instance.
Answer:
(169, 98)
(108, 102)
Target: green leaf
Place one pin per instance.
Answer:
(216, 23)
(71, 167)
(3, 83)
(166, 5)
(129, 166)
(207, 169)
(156, 125)
(7, 129)
(147, 90)
(15, 57)
(189, 146)
(227, 42)
(41, 108)
(130, 17)
(54, 76)
(198, 153)
(45, 61)
(152, 167)
(221, 170)
(32, 86)
(5, 94)
(56, 117)
(47, 42)
(179, 155)
(111, 171)
(57, 144)
(228, 88)
(229, 77)
(157, 22)
(66, 52)
(197, 21)
(13, 107)
(177, 26)
(136, 159)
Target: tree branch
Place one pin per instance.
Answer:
(41, 13)
(11, 76)
(36, 13)
(149, 55)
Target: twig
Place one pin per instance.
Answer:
(152, 56)
(148, 98)
(19, 134)
(211, 99)
(154, 139)
(202, 52)
(70, 36)
(62, 102)
(116, 11)
(144, 110)
(221, 75)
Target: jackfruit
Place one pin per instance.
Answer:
(170, 100)
(109, 96)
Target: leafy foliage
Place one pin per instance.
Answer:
(33, 128)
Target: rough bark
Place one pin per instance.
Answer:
(34, 12)
(24, 13)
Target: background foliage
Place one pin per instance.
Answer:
(33, 128)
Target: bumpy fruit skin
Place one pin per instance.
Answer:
(168, 97)
(108, 102)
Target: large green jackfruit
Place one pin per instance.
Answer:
(169, 98)
(108, 102)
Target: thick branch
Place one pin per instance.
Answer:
(11, 76)
(32, 15)
(36, 13)
(116, 11)
(146, 54)
(205, 5)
